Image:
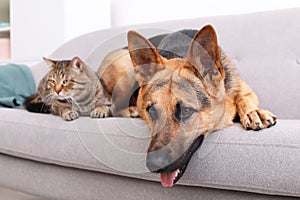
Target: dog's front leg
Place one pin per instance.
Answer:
(130, 111)
(250, 115)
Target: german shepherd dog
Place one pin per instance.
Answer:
(184, 87)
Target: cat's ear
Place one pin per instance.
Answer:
(77, 63)
(50, 63)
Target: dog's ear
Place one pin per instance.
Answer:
(204, 55)
(144, 56)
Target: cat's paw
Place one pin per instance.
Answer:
(258, 119)
(70, 115)
(100, 112)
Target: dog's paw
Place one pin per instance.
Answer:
(134, 113)
(100, 112)
(70, 115)
(131, 111)
(258, 119)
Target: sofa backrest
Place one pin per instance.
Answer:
(263, 46)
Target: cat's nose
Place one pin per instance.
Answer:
(58, 89)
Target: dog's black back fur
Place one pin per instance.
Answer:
(170, 49)
(175, 45)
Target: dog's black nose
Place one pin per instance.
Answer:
(157, 160)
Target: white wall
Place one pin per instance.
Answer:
(126, 12)
(41, 26)
(83, 16)
(37, 28)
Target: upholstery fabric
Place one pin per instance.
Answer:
(256, 161)
(56, 183)
(92, 158)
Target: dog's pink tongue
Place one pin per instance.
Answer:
(167, 180)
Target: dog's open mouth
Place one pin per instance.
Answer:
(169, 179)
(171, 174)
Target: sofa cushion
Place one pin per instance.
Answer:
(265, 161)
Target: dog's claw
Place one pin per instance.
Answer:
(270, 123)
(258, 119)
(248, 126)
(257, 126)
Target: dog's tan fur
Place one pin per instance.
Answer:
(167, 86)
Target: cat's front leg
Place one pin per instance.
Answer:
(69, 114)
(66, 112)
(100, 112)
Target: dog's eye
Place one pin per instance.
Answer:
(152, 112)
(182, 113)
(186, 112)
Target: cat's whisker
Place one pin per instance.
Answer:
(69, 101)
(49, 99)
(74, 102)
(44, 108)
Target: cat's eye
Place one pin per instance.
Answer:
(51, 81)
(65, 82)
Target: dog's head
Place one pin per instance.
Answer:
(182, 99)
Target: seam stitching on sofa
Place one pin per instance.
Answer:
(258, 145)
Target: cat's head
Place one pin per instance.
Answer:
(66, 78)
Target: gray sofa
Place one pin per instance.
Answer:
(91, 159)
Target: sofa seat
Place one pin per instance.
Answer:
(254, 161)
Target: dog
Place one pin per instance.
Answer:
(184, 87)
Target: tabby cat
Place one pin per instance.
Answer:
(70, 89)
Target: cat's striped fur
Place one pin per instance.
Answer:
(70, 89)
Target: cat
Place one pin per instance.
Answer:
(70, 89)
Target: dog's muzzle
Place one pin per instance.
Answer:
(171, 169)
